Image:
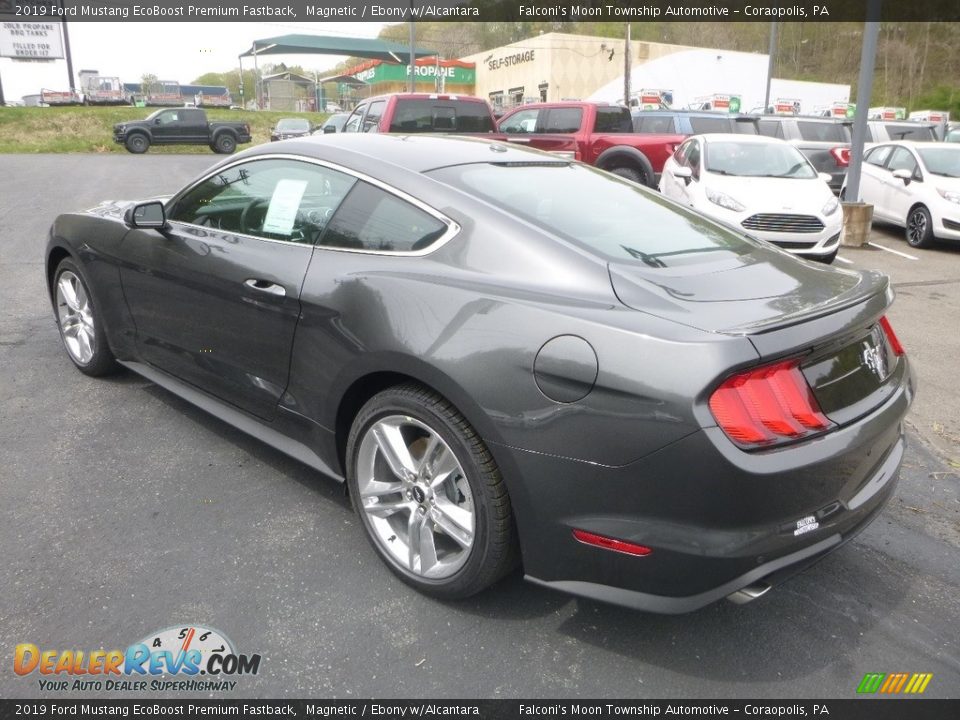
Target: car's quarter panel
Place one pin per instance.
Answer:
(199, 319)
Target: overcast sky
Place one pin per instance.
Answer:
(179, 51)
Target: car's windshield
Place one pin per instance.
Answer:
(776, 160)
(941, 160)
(293, 125)
(613, 217)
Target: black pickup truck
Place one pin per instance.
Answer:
(180, 126)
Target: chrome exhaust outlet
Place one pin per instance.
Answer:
(749, 593)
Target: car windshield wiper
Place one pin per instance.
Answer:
(643, 257)
(723, 172)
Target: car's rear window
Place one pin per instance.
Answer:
(911, 132)
(612, 217)
(814, 131)
(413, 116)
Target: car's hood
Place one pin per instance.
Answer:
(943, 182)
(743, 293)
(781, 195)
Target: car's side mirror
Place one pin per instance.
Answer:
(327, 129)
(156, 121)
(146, 215)
(683, 172)
(903, 174)
(826, 177)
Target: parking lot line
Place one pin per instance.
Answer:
(895, 252)
(844, 260)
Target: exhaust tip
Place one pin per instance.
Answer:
(749, 593)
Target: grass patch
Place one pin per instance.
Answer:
(90, 129)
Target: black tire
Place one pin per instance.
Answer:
(225, 144)
(137, 143)
(102, 361)
(919, 230)
(631, 174)
(492, 553)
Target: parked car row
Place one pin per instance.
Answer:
(764, 175)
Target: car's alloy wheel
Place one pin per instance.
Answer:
(429, 494)
(79, 322)
(919, 227)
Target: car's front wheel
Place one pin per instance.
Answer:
(79, 321)
(429, 494)
(137, 143)
(919, 227)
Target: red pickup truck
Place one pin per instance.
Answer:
(595, 133)
(422, 113)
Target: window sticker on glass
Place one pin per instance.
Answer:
(283, 206)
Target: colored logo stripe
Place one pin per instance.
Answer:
(895, 683)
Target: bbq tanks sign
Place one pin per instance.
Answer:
(31, 40)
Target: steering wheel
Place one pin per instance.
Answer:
(247, 216)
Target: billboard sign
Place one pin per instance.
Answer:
(31, 40)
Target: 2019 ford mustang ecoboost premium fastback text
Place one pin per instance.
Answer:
(509, 358)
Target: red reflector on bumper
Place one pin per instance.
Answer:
(588, 538)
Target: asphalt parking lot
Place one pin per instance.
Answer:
(124, 510)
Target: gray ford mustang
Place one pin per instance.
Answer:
(510, 359)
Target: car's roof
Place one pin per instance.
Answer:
(428, 96)
(417, 153)
(745, 139)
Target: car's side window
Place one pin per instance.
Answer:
(770, 128)
(372, 219)
(165, 118)
(524, 121)
(878, 155)
(371, 123)
(680, 155)
(353, 122)
(903, 159)
(563, 120)
(272, 199)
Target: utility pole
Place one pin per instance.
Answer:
(771, 57)
(413, 51)
(871, 29)
(66, 50)
(626, 67)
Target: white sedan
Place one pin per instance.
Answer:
(916, 186)
(759, 185)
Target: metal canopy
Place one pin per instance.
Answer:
(343, 80)
(371, 48)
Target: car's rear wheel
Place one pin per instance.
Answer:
(225, 144)
(137, 143)
(429, 494)
(79, 321)
(631, 174)
(919, 227)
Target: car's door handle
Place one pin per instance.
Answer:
(265, 286)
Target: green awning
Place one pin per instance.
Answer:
(372, 48)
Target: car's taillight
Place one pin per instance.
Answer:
(607, 543)
(767, 405)
(841, 156)
(891, 336)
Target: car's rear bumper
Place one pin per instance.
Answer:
(717, 519)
